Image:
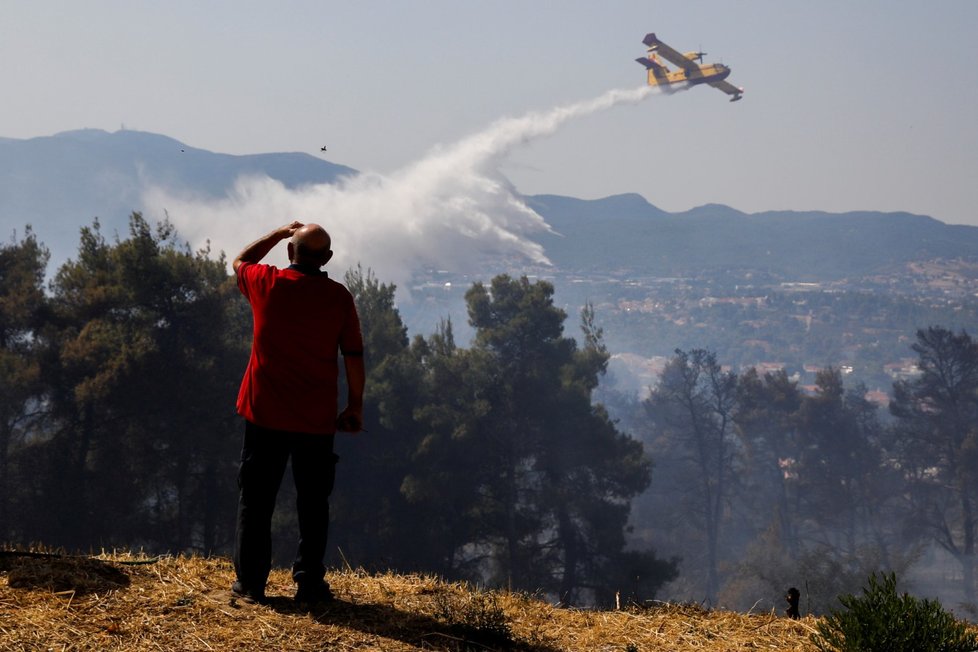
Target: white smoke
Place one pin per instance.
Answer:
(449, 210)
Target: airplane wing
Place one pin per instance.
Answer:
(653, 43)
(653, 65)
(728, 88)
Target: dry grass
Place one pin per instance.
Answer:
(183, 603)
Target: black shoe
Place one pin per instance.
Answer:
(238, 590)
(315, 592)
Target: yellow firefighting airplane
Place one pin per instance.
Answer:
(689, 71)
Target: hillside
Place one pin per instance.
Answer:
(124, 603)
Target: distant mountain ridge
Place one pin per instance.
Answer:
(60, 183)
(809, 245)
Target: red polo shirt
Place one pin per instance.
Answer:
(302, 321)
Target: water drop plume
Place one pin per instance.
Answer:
(451, 209)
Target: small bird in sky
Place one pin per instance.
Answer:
(322, 149)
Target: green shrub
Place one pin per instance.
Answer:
(882, 621)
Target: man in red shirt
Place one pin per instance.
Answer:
(288, 397)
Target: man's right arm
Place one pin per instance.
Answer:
(258, 249)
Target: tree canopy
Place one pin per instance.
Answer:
(493, 462)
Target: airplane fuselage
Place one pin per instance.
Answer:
(702, 74)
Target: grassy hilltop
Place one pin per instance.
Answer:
(121, 602)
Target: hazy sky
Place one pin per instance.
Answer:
(848, 105)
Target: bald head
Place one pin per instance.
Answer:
(310, 245)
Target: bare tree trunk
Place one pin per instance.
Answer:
(568, 539)
(210, 508)
(712, 573)
(512, 542)
(5, 437)
(76, 527)
(968, 556)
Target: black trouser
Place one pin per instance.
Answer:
(264, 455)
